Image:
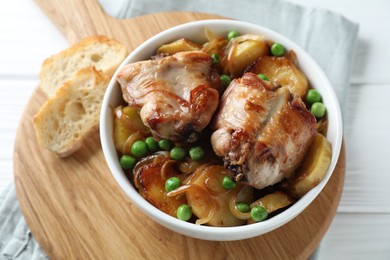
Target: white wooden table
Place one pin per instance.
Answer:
(361, 228)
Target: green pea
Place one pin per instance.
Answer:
(172, 184)
(164, 144)
(259, 213)
(318, 109)
(196, 153)
(215, 57)
(139, 149)
(226, 79)
(313, 96)
(232, 34)
(277, 49)
(184, 212)
(243, 207)
(263, 77)
(151, 143)
(177, 153)
(227, 183)
(127, 161)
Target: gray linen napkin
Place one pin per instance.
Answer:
(328, 37)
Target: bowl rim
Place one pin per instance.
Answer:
(209, 232)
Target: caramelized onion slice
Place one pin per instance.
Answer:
(189, 166)
(130, 141)
(243, 194)
(210, 35)
(207, 198)
(241, 52)
(273, 201)
(151, 183)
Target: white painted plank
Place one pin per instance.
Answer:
(14, 96)
(363, 191)
(367, 143)
(357, 236)
(27, 37)
(374, 39)
(373, 47)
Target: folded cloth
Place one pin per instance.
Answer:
(328, 37)
(16, 241)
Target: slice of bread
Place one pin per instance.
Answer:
(72, 114)
(99, 51)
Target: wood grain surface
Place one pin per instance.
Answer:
(76, 210)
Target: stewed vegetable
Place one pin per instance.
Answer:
(193, 183)
(164, 144)
(127, 161)
(196, 153)
(152, 144)
(258, 213)
(243, 207)
(172, 184)
(184, 212)
(215, 57)
(139, 148)
(227, 183)
(226, 80)
(263, 77)
(313, 96)
(318, 109)
(177, 153)
(232, 34)
(277, 49)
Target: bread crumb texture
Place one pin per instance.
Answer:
(98, 51)
(72, 114)
(75, 81)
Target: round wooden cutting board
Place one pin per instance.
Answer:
(76, 210)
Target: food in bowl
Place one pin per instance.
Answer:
(222, 133)
(177, 94)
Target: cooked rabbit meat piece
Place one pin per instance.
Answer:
(177, 94)
(262, 131)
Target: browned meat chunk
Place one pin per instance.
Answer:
(177, 94)
(262, 131)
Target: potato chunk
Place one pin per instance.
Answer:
(208, 195)
(241, 52)
(127, 122)
(121, 134)
(180, 45)
(150, 177)
(273, 201)
(312, 169)
(283, 70)
(207, 198)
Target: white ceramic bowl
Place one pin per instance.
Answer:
(195, 31)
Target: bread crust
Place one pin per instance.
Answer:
(69, 117)
(103, 53)
(75, 81)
